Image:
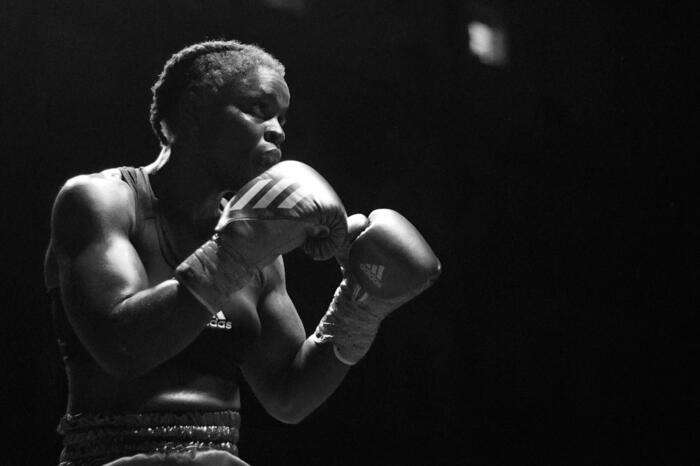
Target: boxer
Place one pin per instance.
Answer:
(168, 283)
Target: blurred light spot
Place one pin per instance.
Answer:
(488, 43)
(294, 6)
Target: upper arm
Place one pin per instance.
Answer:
(281, 335)
(98, 266)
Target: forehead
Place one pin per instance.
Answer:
(262, 81)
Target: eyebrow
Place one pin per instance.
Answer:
(277, 98)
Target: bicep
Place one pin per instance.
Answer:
(282, 334)
(104, 273)
(98, 265)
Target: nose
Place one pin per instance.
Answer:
(274, 132)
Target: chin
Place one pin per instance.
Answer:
(257, 170)
(232, 180)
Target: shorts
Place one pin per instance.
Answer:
(189, 438)
(191, 458)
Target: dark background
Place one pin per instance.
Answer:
(556, 190)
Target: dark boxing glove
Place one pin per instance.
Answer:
(386, 266)
(288, 206)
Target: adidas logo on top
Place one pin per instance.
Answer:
(374, 272)
(219, 321)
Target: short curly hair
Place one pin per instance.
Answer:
(204, 69)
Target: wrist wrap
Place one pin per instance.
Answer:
(352, 321)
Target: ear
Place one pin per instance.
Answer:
(189, 111)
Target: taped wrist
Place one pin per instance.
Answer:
(352, 321)
(213, 272)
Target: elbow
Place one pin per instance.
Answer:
(291, 417)
(292, 420)
(120, 375)
(119, 362)
(119, 355)
(121, 369)
(126, 373)
(289, 411)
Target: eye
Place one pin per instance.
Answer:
(258, 110)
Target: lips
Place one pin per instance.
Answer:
(266, 159)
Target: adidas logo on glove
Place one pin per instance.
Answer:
(374, 272)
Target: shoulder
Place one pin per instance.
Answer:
(92, 202)
(101, 193)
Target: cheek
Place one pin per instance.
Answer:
(241, 131)
(249, 135)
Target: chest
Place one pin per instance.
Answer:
(161, 249)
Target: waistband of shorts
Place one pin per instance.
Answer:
(99, 438)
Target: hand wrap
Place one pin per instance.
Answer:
(352, 321)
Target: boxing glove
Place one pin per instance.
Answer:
(357, 223)
(387, 265)
(288, 206)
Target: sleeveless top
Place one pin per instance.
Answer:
(213, 352)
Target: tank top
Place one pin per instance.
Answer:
(213, 352)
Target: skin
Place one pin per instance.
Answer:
(134, 318)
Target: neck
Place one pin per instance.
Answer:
(185, 189)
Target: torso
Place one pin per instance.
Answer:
(203, 377)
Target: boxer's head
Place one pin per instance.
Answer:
(225, 102)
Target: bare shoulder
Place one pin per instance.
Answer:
(91, 204)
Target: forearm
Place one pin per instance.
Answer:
(313, 377)
(152, 326)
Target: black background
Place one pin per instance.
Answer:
(556, 191)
